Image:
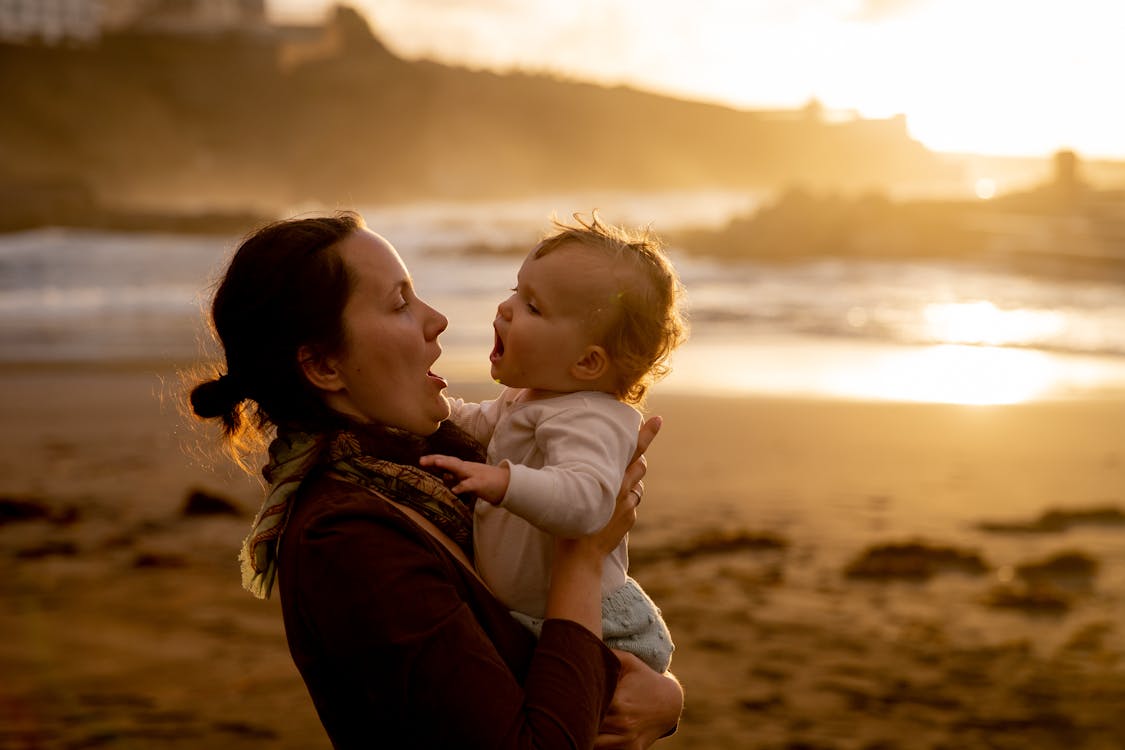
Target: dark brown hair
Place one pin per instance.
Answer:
(286, 287)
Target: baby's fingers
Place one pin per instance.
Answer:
(449, 463)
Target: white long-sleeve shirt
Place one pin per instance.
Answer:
(567, 456)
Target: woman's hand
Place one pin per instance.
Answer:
(637, 467)
(577, 566)
(646, 706)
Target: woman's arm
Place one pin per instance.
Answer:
(384, 638)
(396, 647)
(646, 705)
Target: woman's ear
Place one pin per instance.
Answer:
(319, 370)
(593, 364)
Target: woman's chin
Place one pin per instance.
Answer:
(443, 411)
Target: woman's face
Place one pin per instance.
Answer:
(391, 341)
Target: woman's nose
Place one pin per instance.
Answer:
(435, 324)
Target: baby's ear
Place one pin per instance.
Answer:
(319, 370)
(593, 364)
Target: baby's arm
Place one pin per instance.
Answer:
(479, 420)
(585, 454)
(487, 482)
(585, 451)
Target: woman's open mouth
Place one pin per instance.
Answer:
(434, 376)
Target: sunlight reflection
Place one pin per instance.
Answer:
(982, 322)
(985, 188)
(951, 374)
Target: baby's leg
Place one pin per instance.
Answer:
(631, 622)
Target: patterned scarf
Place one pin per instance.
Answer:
(351, 454)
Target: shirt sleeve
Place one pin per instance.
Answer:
(477, 419)
(390, 615)
(585, 455)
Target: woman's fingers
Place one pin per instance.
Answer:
(632, 489)
(647, 434)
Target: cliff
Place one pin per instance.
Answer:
(247, 121)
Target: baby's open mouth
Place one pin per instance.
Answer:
(497, 347)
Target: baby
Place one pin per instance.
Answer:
(592, 320)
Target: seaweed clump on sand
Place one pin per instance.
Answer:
(709, 543)
(913, 561)
(202, 503)
(1055, 521)
(22, 509)
(1049, 586)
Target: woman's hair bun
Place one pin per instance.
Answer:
(216, 398)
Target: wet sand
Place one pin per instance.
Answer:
(836, 574)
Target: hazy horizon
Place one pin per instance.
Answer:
(1002, 79)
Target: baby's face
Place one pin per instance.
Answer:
(545, 327)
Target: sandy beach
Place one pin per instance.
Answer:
(837, 575)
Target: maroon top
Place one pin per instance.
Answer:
(401, 646)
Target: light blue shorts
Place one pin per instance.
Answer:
(631, 622)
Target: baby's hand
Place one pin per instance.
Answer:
(487, 482)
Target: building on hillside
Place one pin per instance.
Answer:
(84, 21)
(50, 21)
(345, 31)
(1063, 217)
(185, 16)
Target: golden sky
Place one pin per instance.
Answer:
(1020, 77)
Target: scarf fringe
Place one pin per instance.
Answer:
(293, 454)
(258, 583)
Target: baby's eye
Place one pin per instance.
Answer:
(532, 308)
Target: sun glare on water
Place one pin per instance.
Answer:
(951, 374)
(980, 355)
(947, 373)
(981, 322)
(970, 363)
(985, 188)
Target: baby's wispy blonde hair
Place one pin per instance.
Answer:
(646, 321)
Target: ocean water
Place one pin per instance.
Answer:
(902, 330)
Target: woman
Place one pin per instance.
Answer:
(398, 641)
